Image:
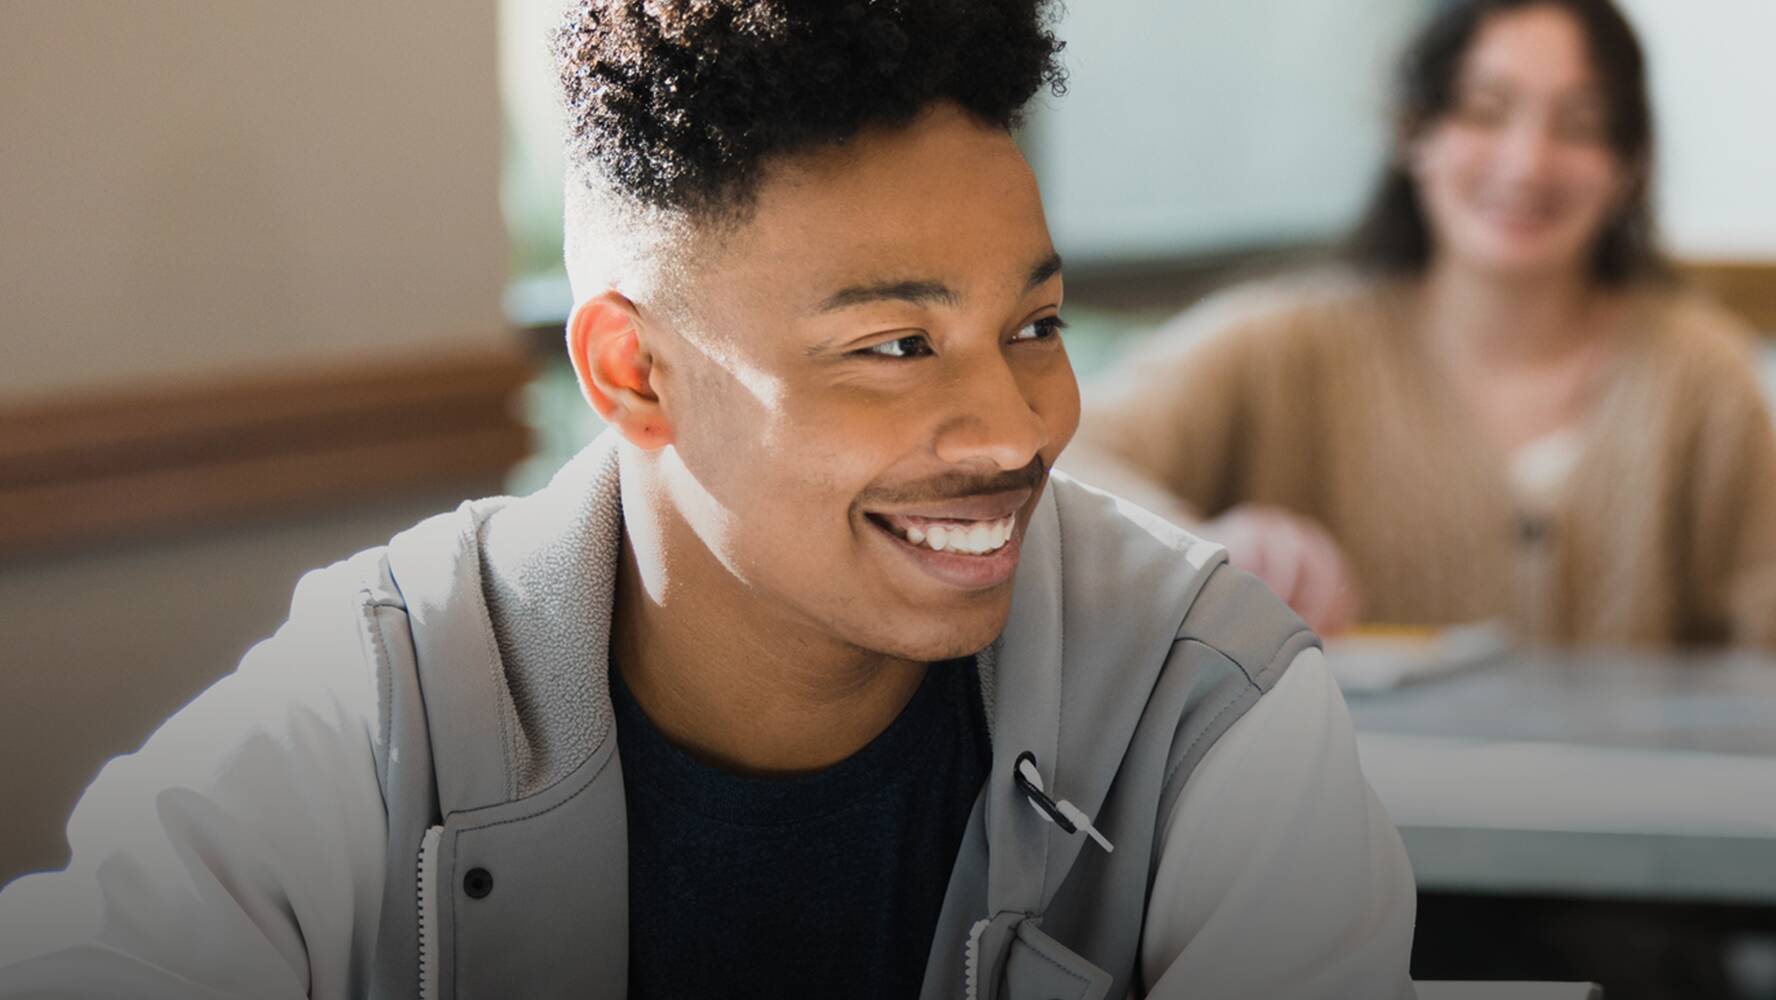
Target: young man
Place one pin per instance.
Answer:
(805, 679)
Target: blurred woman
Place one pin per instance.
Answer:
(1505, 408)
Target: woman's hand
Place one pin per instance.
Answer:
(1296, 558)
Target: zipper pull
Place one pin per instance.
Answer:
(1063, 814)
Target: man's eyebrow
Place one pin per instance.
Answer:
(921, 293)
(918, 293)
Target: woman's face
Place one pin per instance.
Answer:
(1518, 177)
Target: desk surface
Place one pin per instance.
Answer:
(1593, 774)
(1723, 703)
(1507, 991)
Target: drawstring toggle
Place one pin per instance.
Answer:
(1063, 814)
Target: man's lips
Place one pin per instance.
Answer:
(965, 554)
(981, 507)
(969, 542)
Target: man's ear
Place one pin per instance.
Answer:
(615, 370)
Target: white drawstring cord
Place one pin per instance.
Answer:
(1062, 813)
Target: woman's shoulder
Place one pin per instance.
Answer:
(1294, 311)
(1706, 358)
(1693, 332)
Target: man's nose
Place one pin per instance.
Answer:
(993, 421)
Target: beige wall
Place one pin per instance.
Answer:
(1713, 88)
(202, 185)
(197, 187)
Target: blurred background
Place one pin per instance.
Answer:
(278, 280)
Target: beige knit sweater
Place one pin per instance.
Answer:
(1315, 394)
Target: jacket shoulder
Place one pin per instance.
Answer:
(348, 637)
(367, 577)
(1103, 532)
(1119, 544)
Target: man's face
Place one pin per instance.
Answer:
(866, 388)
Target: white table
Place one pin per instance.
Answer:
(1591, 775)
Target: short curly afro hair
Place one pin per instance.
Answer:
(676, 104)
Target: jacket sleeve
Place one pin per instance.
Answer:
(1281, 876)
(239, 853)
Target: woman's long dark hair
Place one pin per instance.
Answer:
(1394, 238)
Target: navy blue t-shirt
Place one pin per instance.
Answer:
(821, 885)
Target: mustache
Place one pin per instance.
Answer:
(957, 485)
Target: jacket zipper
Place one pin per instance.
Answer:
(971, 959)
(428, 913)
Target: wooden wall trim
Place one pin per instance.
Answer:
(100, 464)
(1747, 287)
(97, 465)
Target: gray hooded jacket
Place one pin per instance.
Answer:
(414, 790)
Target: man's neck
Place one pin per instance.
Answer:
(727, 682)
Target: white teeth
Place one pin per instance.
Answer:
(972, 538)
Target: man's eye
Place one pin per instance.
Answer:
(913, 346)
(1047, 328)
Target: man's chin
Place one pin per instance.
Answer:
(950, 636)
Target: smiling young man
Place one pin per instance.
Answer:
(806, 678)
